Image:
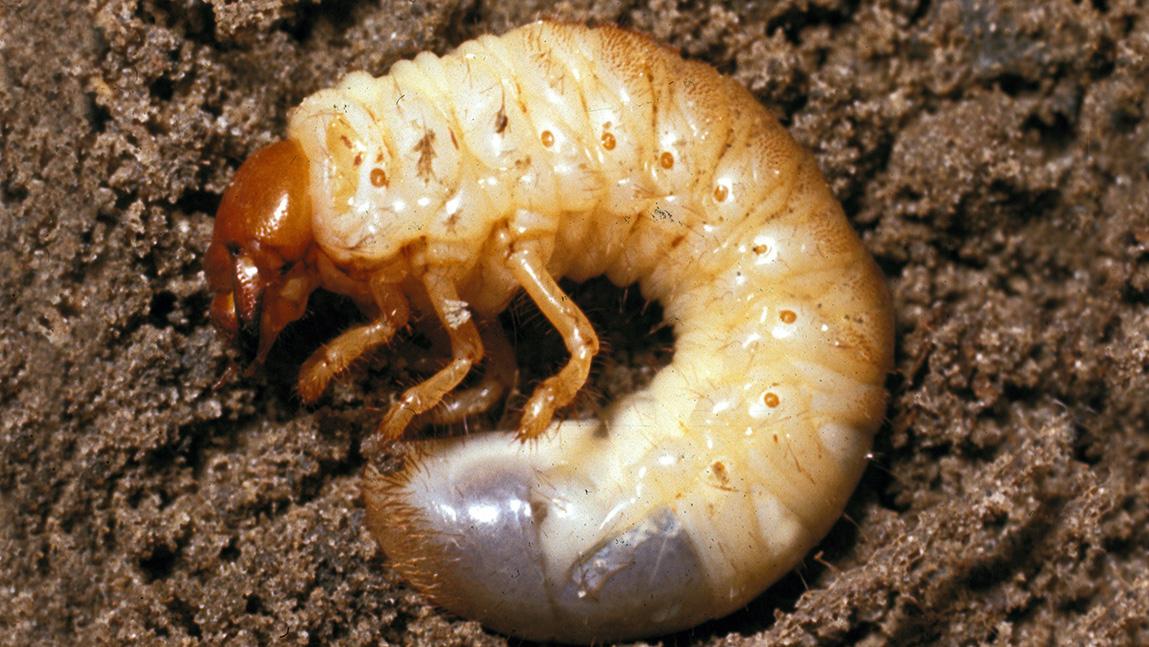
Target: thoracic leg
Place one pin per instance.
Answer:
(530, 271)
(466, 349)
(335, 356)
(499, 376)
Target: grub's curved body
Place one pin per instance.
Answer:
(604, 153)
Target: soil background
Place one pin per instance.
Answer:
(994, 156)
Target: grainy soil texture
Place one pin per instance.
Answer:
(993, 155)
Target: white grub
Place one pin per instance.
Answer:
(567, 151)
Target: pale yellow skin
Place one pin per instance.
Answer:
(609, 155)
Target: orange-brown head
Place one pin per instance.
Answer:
(260, 265)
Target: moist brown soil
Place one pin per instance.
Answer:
(994, 156)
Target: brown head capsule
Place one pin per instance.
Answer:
(257, 262)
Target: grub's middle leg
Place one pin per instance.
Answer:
(466, 349)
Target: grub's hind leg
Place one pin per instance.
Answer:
(528, 268)
(466, 349)
(499, 376)
(335, 356)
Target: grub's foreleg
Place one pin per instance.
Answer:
(335, 356)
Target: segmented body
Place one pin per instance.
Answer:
(616, 157)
